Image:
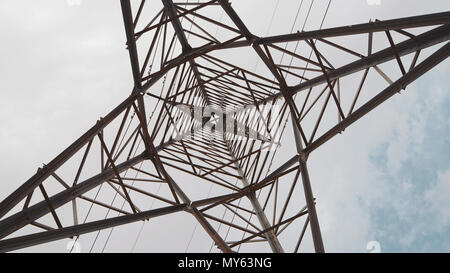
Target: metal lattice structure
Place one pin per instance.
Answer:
(177, 61)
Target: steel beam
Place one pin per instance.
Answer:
(76, 230)
(310, 203)
(307, 189)
(416, 72)
(20, 193)
(13, 199)
(25, 189)
(131, 41)
(377, 26)
(395, 24)
(30, 214)
(271, 237)
(24, 217)
(171, 11)
(408, 78)
(427, 39)
(193, 210)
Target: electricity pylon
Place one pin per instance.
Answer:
(178, 61)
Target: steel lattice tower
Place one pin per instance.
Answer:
(179, 63)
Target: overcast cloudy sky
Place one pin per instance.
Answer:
(387, 177)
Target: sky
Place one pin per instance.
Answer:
(385, 179)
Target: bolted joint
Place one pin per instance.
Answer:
(302, 157)
(254, 40)
(251, 194)
(189, 207)
(187, 48)
(149, 155)
(341, 128)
